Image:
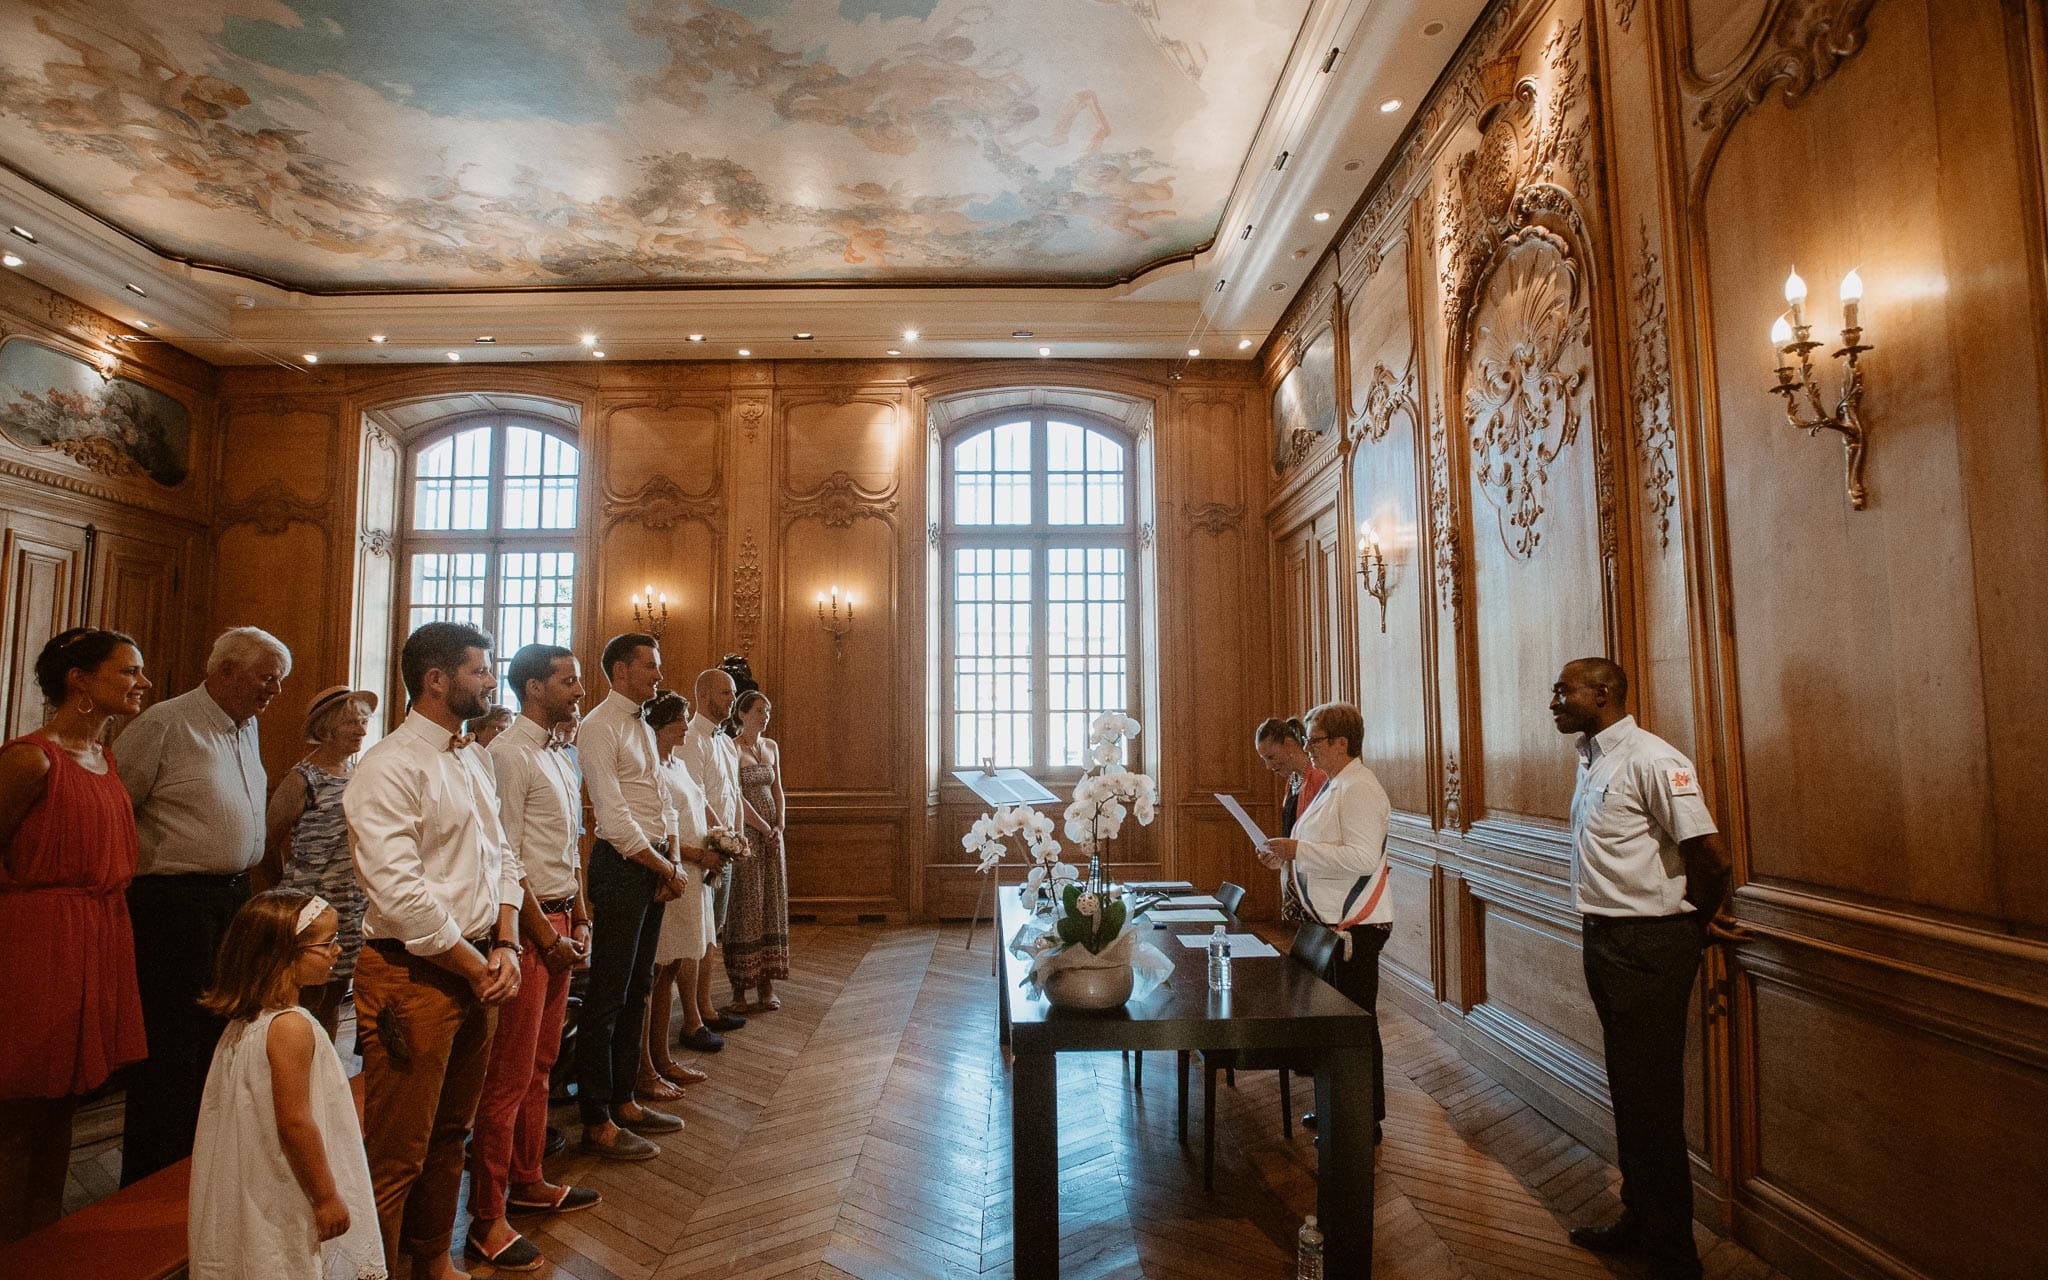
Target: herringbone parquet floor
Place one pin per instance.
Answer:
(863, 1130)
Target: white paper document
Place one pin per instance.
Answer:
(1196, 916)
(1197, 900)
(1243, 946)
(1243, 819)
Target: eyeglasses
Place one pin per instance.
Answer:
(327, 944)
(1314, 738)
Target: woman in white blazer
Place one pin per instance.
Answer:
(1337, 859)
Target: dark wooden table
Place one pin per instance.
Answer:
(1273, 1003)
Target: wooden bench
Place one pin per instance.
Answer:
(137, 1233)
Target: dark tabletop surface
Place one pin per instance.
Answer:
(1273, 1002)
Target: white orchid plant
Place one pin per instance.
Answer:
(1020, 826)
(1109, 791)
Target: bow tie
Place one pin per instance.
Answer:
(556, 744)
(457, 741)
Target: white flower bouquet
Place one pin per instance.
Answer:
(729, 846)
(993, 835)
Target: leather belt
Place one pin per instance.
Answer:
(393, 947)
(559, 906)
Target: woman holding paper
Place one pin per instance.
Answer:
(1279, 744)
(1337, 859)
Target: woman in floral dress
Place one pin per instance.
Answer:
(757, 924)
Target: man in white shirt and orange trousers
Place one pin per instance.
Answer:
(441, 949)
(1650, 879)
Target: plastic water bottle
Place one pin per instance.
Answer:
(1308, 1251)
(1219, 960)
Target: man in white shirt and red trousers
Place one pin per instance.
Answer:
(1650, 879)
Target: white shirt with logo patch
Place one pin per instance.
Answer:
(1636, 800)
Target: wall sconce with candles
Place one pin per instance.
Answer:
(1791, 340)
(1372, 568)
(833, 622)
(653, 618)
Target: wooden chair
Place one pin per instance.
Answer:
(1313, 947)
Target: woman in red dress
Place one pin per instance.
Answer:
(69, 1009)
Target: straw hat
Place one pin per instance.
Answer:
(327, 699)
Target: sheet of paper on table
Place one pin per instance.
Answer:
(1242, 945)
(1198, 900)
(1210, 916)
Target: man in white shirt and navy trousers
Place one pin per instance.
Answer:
(1650, 878)
(440, 938)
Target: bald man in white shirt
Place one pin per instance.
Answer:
(441, 949)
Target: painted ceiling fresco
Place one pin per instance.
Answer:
(339, 145)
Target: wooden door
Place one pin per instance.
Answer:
(41, 564)
(134, 588)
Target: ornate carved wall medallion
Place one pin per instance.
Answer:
(751, 412)
(1624, 13)
(273, 508)
(1649, 359)
(1525, 379)
(1805, 41)
(1454, 794)
(661, 505)
(1215, 518)
(1148, 533)
(839, 502)
(1386, 395)
(378, 542)
(746, 594)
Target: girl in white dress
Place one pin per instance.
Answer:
(280, 1185)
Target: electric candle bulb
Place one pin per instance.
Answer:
(1795, 293)
(636, 600)
(1852, 294)
(1781, 332)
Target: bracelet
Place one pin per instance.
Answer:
(509, 945)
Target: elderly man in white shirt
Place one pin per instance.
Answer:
(713, 759)
(440, 950)
(1650, 878)
(633, 872)
(540, 801)
(193, 770)
(1338, 862)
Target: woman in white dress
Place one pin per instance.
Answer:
(280, 1185)
(689, 925)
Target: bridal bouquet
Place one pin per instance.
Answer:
(729, 846)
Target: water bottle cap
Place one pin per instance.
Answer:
(1219, 931)
(1311, 1220)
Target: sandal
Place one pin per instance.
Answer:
(770, 1005)
(656, 1089)
(519, 1254)
(567, 1199)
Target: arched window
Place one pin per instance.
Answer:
(1039, 555)
(490, 531)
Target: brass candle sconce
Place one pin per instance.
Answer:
(833, 622)
(1372, 569)
(652, 617)
(1792, 340)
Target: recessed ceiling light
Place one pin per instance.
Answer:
(137, 290)
(696, 337)
(485, 338)
(144, 324)
(1299, 254)
(589, 339)
(1432, 28)
(1277, 285)
(597, 355)
(23, 232)
(1390, 106)
(895, 351)
(801, 337)
(10, 260)
(1353, 166)
(455, 355)
(1022, 333)
(376, 337)
(1045, 351)
(1322, 215)
(1244, 344)
(1193, 352)
(527, 354)
(312, 358)
(910, 335)
(745, 352)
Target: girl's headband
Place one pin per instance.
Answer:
(309, 913)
